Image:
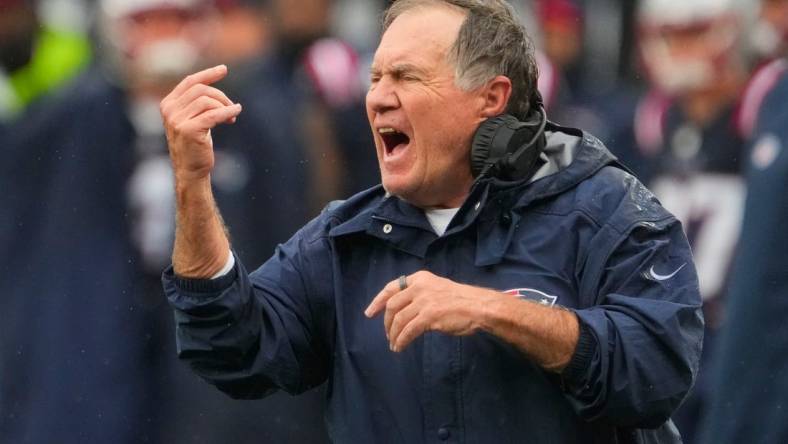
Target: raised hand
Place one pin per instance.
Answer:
(189, 112)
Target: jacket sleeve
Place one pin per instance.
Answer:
(641, 333)
(253, 334)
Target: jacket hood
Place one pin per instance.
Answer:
(570, 157)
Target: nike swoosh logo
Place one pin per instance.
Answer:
(663, 277)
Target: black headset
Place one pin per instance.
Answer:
(507, 148)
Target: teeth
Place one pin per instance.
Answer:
(387, 130)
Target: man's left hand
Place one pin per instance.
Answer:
(428, 303)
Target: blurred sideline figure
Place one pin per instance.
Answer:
(328, 72)
(80, 230)
(568, 78)
(89, 208)
(243, 34)
(769, 41)
(749, 397)
(321, 73)
(689, 148)
(770, 35)
(561, 26)
(35, 57)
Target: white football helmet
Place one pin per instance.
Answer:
(141, 46)
(686, 44)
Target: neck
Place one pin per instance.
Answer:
(443, 204)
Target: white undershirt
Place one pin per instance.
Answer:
(228, 266)
(440, 218)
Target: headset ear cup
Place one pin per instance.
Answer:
(480, 148)
(483, 150)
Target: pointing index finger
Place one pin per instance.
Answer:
(379, 302)
(206, 76)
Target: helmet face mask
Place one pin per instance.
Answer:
(164, 60)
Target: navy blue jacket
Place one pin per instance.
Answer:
(588, 237)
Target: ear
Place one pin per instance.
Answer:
(495, 96)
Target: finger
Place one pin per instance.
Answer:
(213, 117)
(197, 107)
(397, 302)
(379, 301)
(400, 321)
(206, 76)
(412, 330)
(197, 91)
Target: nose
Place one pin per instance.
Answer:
(382, 96)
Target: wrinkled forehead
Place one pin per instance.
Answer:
(422, 35)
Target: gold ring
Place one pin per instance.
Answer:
(403, 284)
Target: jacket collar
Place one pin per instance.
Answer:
(497, 203)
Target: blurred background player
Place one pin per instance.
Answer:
(689, 150)
(769, 42)
(38, 53)
(750, 391)
(324, 78)
(331, 74)
(584, 73)
(90, 210)
(561, 32)
(243, 34)
(770, 34)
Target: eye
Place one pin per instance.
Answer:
(404, 75)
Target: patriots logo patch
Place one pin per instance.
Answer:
(530, 294)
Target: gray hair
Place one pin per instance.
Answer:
(491, 42)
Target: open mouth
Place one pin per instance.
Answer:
(393, 140)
